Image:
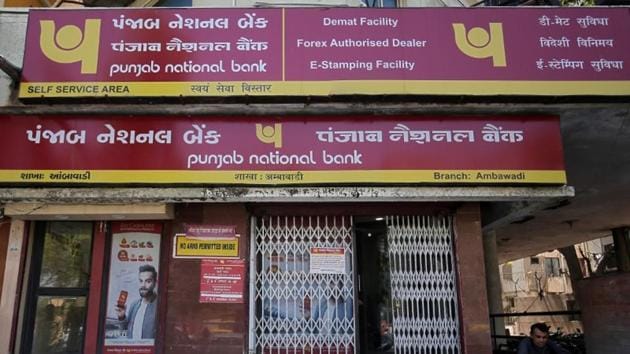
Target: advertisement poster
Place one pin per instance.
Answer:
(132, 300)
(222, 281)
(328, 260)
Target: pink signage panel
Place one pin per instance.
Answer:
(305, 51)
(441, 44)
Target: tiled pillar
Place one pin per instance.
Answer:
(473, 299)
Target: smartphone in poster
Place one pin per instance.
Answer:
(132, 298)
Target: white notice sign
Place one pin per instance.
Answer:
(328, 260)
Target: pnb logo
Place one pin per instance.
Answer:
(71, 45)
(480, 44)
(270, 134)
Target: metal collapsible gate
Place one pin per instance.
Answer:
(424, 295)
(291, 304)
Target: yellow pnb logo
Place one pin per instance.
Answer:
(70, 45)
(480, 44)
(270, 134)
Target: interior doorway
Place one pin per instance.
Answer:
(407, 295)
(374, 308)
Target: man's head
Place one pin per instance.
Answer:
(147, 277)
(384, 327)
(539, 333)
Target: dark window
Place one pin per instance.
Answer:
(380, 3)
(511, 302)
(572, 306)
(507, 271)
(552, 267)
(59, 284)
(534, 260)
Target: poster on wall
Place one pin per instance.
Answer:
(222, 281)
(132, 297)
(328, 260)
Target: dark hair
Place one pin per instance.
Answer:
(541, 326)
(148, 268)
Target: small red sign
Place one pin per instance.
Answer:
(222, 281)
(140, 349)
(214, 231)
(137, 226)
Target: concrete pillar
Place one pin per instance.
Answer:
(11, 284)
(493, 283)
(570, 256)
(5, 225)
(622, 248)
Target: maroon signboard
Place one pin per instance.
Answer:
(291, 150)
(279, 52)
(222, 281)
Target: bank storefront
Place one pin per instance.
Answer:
(215, 227)
(288, 275)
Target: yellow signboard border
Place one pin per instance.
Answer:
(322, 88)
(284, 177)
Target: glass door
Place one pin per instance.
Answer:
(57, 298)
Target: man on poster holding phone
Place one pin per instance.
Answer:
(141, 315)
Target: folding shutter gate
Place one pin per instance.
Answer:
(290, 300)
(287, 296)
(424, 296)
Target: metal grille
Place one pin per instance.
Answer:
(424, 296)
(296, 310)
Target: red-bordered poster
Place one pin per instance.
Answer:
(328, 260)
(222, 281)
